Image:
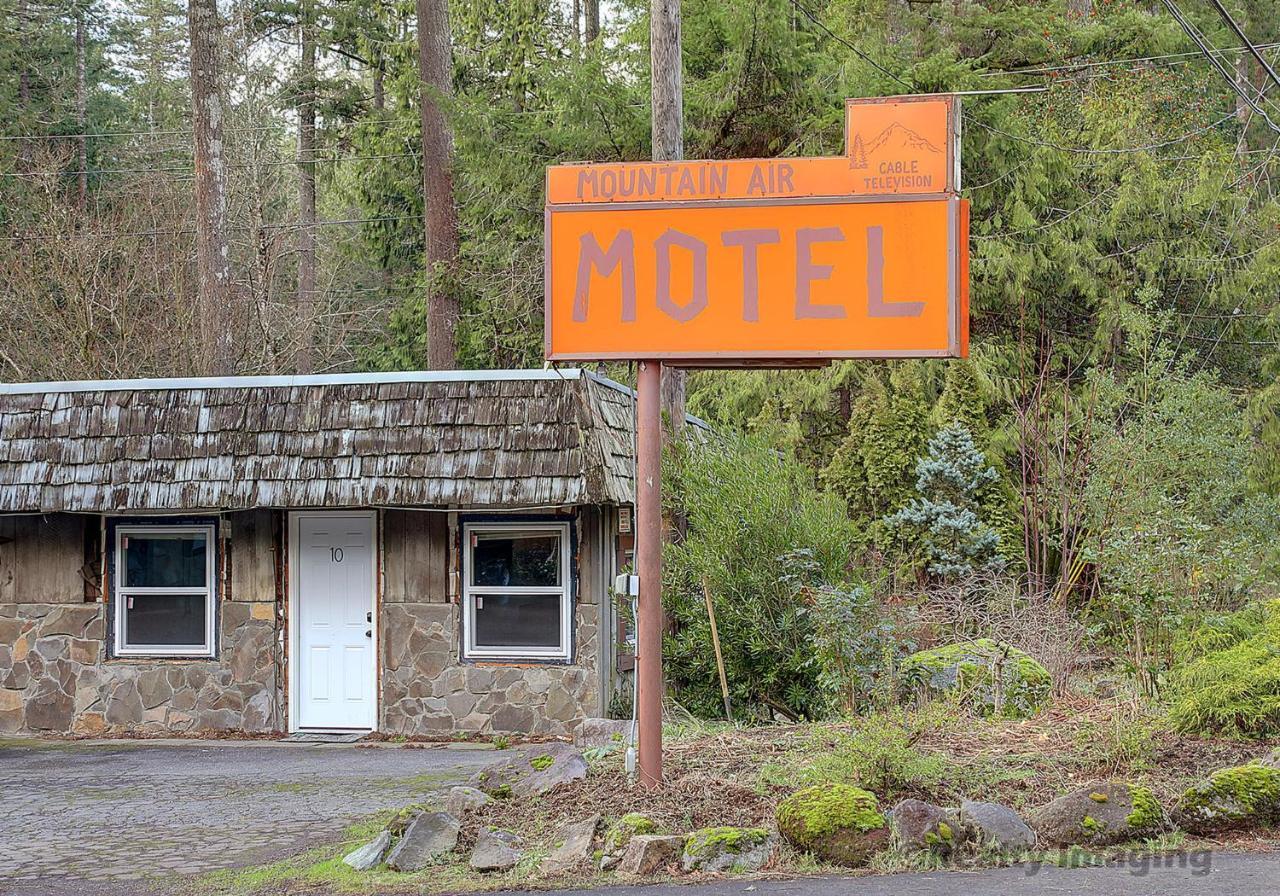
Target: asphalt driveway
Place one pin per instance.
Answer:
(115, 817)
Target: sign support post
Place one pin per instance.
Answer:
(648, 488)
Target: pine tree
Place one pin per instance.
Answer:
(945, 516)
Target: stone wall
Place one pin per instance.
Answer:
(426, 690)
(55, 677)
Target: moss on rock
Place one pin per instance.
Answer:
(1147, 813)
(1232, 798)
(994, 679)
(836, 822)
(626, 827)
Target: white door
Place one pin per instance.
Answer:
(334, 660)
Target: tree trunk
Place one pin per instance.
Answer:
(667, 135)
(435, 69)
(213, 255)
(591, 20)
(307, 190)
(82, 145)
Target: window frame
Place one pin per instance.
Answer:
(120, 592)
(472, 651)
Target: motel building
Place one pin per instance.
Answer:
(407, 553)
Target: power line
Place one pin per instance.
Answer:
(1198, 39)
(860, 54)
(1253, 51)
(1083, 150)
(186, 170)
(235, 227)
(1102, 63)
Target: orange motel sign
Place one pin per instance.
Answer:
(764, 262)
(767, 260)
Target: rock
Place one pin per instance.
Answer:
(495, 851)
(727, 849)
(370, 855)
(602, 733)
(650, 853)
(1239, 798)
(837, 823)
(574, 843)
(429, 836)
(993, 679)
(1272, 759)
(1100, 815)
(462, 800)
(994, 825)
(626, 827)
(533, 772)
(916, 826)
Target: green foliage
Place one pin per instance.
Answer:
(759, 534)
(880, 754)
(858, 646)
(993, 679)
(1232, 685)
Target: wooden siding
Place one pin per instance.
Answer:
(41, 558)
(254, 540)
(415, 565)
(483, 443)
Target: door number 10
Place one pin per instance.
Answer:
(335, 554)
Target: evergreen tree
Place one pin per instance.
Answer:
(945, 516)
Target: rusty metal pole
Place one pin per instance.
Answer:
(649, 568)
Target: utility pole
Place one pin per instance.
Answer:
(435, 70)
(307, 187)
(213, 254)
(656, 393)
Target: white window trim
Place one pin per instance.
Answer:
(121, 593)
(564, 590)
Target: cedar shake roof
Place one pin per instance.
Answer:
(446, 439)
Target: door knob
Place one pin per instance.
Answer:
(368, 633)
(368, 617)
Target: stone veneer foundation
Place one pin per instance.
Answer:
(425, 690)
(55, 677)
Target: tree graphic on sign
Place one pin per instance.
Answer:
(857, 155)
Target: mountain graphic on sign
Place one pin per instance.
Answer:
(896, 138)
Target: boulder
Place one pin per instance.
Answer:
(370, 855)
(462, 800)
(837, 823)
(429, 836)
(1231, 799)
(574, 846)
(532, 772)
(994, 679)
(495, 851)
(917, 826)
(626, 827)
(727, 849)
(602, 733)
(1272, 759)
(650, 853)
(1101, 814)
(995, 826)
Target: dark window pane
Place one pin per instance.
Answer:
(165, 561)
(517, 620)
(520, 561)
(163, 620)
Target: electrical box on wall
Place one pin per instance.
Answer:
(624, 520)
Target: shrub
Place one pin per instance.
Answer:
(1232, 686)
(858, 645)
(880, 754)
(991, 678)
(758, 534)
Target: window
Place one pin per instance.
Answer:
(164, 590)
(516, 590)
